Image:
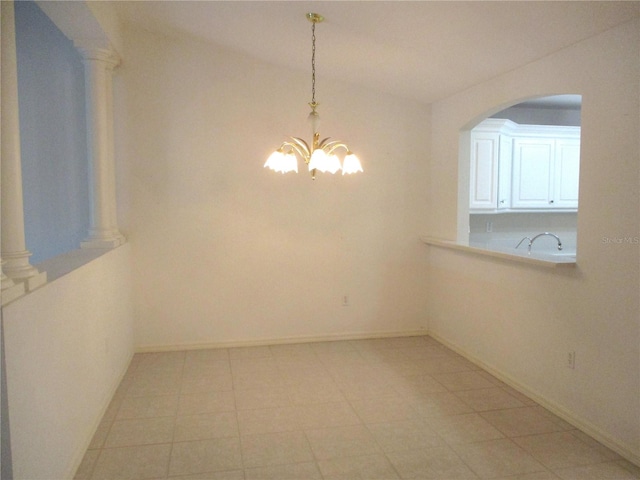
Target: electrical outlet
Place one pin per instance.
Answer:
(571, 360)
(345, 300)
(489, 227)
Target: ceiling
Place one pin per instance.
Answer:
(422, 50)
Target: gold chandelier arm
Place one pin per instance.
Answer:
(331, 146)
(300, 148)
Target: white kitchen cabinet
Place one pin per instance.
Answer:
(567, 173)
(523, 167)
(490, 173)
(546, 168)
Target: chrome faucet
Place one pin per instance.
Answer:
(525, 238)
(531, 240)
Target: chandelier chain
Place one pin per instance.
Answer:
(313, 63)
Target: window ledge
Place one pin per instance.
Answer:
(65, 263)
(543, 259)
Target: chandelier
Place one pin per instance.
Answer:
(320, 155)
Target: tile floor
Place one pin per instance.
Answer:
(393, 408)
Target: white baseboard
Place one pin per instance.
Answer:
(561, 411)
(279, 341)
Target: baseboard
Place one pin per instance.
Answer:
(279, 341)
(561, 411)
(80, 452)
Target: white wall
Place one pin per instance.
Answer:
(226, 251)
(67, 346)
(521, 320)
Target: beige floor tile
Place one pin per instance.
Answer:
(357, 388)
(561, 424)
(262, 398)
(607, 452)
(430, 352)
(309, 393)
(436, 463)
(140, 431)
(296, 376)
(275, 449)
(515, 422)
(207, 356)
(389, 408)
(268, 409)
(401, 366)
(262, 351)
(248, 364)
(488, 399)
(205, 426)
(291, 349)
(147, 407)
(321, 415)
(416, 385)
(599, 471)
(369, 467)
(156, 384)
(342, 442)
(497, 458)
(86, 466)
(267, 420)
(438, 404)
(332, 347)
(520, 396)
(133, 463)
(227, 475)
(209, 402)
(403, 436)
(260, 378)
(407, 342)
(100, 435)
(205, 382)
(627, 465)
(294, 471)
(543, 475)
(463, 381)
(218, 454)
(443, 364)
(160, 361)
(466, 428)
(213, 368)
(560, 450)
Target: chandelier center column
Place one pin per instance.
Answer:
(16, 271)
(98, 68)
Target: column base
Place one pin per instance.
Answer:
(16, 266)
(12, 292)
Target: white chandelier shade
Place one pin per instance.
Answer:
(319, 156)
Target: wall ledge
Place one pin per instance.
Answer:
(539, 259)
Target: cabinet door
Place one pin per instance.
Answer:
(567, 173)
(533, 166)
(504, 172)
(483, 186)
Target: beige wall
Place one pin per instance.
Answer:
(226, 251)
(519, 320)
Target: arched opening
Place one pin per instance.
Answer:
(519, 177)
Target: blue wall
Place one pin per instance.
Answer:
(53, 135)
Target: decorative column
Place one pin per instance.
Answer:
(14, 251)
(98, 67)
